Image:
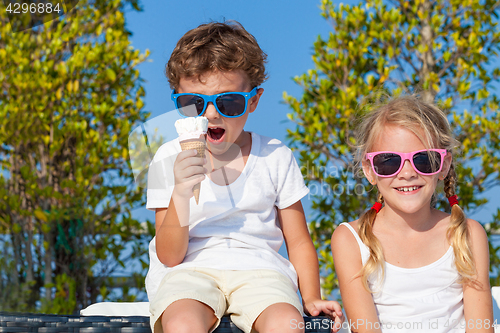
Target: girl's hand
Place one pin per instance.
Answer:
(331, 308)
(188, 171)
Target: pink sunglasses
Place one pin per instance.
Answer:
(389, 163)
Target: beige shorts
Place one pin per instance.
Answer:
(241, 294)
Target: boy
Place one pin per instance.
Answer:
(221, 255)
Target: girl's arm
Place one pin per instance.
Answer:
(302, 255)
(358, 303)
(478, 307)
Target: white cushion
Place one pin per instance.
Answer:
(121, 309)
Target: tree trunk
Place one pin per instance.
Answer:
(428, 60)
(48, 266)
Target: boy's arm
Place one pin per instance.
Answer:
(172, 224)
(171, 236)
(302, 255)
(478, 305)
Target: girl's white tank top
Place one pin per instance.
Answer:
(424, 299)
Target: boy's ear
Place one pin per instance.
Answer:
(254, 101)
(369, 174)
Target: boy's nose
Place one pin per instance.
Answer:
(211, 112)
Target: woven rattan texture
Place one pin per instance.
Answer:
(46, 323)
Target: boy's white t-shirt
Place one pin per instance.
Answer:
(233, 227)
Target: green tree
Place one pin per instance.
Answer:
(445, 50)
(70, 95)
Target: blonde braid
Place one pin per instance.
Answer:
(458, 233)
(376, 259)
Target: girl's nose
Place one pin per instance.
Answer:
(407, 171)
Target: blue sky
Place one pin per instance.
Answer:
(285, 30)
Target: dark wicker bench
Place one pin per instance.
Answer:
(46, 323)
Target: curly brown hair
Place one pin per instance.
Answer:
(223, 46)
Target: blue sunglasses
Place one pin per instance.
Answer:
(229, 104)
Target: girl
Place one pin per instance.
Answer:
(405, 266)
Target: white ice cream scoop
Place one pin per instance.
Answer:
(191, 127)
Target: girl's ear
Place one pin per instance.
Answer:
(446, 166)
(368, 171)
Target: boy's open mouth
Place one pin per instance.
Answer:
(216, 134)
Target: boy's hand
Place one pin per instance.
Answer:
(331, 308)
(188, 171)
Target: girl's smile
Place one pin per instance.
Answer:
(407, 190)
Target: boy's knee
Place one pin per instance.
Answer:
(290, 321)
(281, 317)
(181, 324)
(177, 324)
(190, 319)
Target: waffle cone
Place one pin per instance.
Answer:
(199, 145)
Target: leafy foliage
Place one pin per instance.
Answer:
(443, 50)
(70, 94)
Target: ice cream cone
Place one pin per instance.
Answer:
(199, 145)
(192, 131)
